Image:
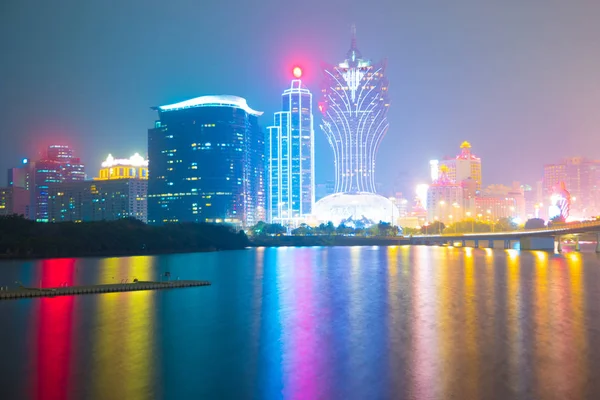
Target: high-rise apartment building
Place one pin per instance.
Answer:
(120, 191)
(207, 160)
(290, 157)
(354, 107)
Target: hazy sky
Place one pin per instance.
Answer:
(519, 79)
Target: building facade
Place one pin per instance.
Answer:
(207, 161)
(14, 200)
(98, 200)
(581, 178)
(445, 199)
(460, 168)
(290, 157)
(58, 166)
(354, 108)
(120, 191)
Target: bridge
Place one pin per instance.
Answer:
(530, 239)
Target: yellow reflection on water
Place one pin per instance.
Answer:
(579, 344)
(123, 348)
(405, 250)
(471, 337)
(544, 344)
(393, 316)
(514, 331)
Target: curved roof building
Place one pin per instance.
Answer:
(354, 107)
(206, 163)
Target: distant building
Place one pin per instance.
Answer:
(59, 165)
(493, 208)
(21, 176)
(581, 178)
(206, 163)
(120, 191)
(14, 200)
(445, 199)
(290, 157)
(509, 201)
(464, 166)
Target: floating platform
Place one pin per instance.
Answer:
(25, 292)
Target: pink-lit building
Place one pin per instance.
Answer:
(581, 178)
(464, 166)
(445, 199)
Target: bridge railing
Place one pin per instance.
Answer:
(571, 227)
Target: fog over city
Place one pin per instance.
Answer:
(520, 82)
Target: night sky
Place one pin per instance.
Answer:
(519, 79)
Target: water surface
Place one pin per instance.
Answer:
(409, 322)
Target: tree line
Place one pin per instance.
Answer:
(20, 237)
(382, 229)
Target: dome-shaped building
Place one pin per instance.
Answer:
(340, 207)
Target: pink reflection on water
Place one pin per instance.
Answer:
(54, 332)
(424, 346)
(301, 359)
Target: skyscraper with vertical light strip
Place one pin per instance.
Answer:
(354, 107)
(290, 157)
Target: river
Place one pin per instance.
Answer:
(410, 322)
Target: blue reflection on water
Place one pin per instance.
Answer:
(318, 322)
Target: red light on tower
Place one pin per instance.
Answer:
(297, 71)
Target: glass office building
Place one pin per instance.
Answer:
(290, 157)
(206, 163)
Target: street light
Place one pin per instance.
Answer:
(472, 221)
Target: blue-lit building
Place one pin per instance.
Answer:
(206, 163)
(290, 157)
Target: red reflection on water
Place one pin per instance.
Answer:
(54, 332)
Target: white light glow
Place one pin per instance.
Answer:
(213, 101)
(134, 161)
(434, 166)
(421, 191)
(339, 207)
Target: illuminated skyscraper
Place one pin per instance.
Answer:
(354, 107)
(206, 163)
(58, 166)
(290, 154)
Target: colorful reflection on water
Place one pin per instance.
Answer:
(311, 323)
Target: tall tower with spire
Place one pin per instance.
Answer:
(290, 157)
(354, 108)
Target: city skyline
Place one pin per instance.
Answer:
(515, 93)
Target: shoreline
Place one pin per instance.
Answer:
(108, 254)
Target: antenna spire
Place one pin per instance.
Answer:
(353, 32)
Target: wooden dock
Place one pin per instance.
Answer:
(25, 292)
